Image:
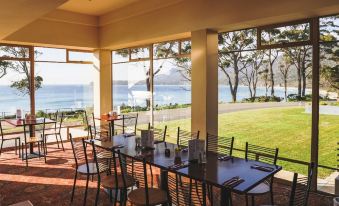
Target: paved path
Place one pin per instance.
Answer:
(184, 113)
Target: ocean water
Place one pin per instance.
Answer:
(77, 96)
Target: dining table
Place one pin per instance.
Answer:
(31, 123)
(213, 171)
(111, 119)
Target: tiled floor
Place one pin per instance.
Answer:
(51, 183)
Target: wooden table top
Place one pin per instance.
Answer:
(214, 171)
(20, 122)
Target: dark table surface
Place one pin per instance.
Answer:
(214, 171)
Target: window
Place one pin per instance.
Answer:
(50, 54)
(171, 96)
(80, 56)
(294, 34)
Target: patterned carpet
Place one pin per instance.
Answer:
(51, 183)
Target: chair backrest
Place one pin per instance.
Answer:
(219, 145)
(126, 169)
(79, 151)
(130, 120)
(159, 134)
(186, 191)
(301, 188)
(102, 164)
(184, 136)
(262, 154)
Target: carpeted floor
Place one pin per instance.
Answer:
(51, 183)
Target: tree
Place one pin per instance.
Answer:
(329, 71)
(21, 67)
(300, 57)
(4, 65)
(272, 57)
(284, 68)
(264, 74)
(232, 61)
(251, 73)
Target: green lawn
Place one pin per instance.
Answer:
(289, 129)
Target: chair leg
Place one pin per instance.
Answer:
(45, 142)
(19, 148)
(246, 199)
(26, 155)
(2, 142)
(252, 199)
(75, 180)
(272, 200)
(87, 180)
(56, 136)
(98, 192)
(16, 147)
(44, 149)
(39, 150)
(115, 197)
(62, 144)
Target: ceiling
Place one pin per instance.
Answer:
(95, 7)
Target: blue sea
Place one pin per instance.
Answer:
(79, 96)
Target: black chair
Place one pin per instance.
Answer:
(99, 132)
(84, 165)
(301, 188)
(28, 140)
(186, 191)
(159, 134)
(4, 138)
(219, 145)
(128, 125)
(56, 131)
(263, 154)
(120, 178)
(143, 194)
(184, 136)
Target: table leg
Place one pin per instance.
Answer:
(225, 199)
(164, 180)
(31, 134)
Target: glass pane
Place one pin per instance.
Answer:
(166, 49)
(172, 95)
(14, 52)
(63, 87)
(140, 53)
(328, 113)
(263, 100)
(285, 34)
(132, 91)
(246, 39)
(50, 54)
(186, 47)
(329, 28)
(14, 87)
(120, 56)
(80, 56)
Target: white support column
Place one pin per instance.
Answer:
(204, 57)
(102, 82)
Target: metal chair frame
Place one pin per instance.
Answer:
(3, 139)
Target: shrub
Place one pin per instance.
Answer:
(262, 99)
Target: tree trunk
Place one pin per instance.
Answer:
(303, 73)
(285, 86)
(148, 86)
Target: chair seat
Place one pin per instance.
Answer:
(262, 188)
(156, 196)
(33, 140)
(110, 182)
(82, 169)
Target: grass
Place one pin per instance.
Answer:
(289, 129)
